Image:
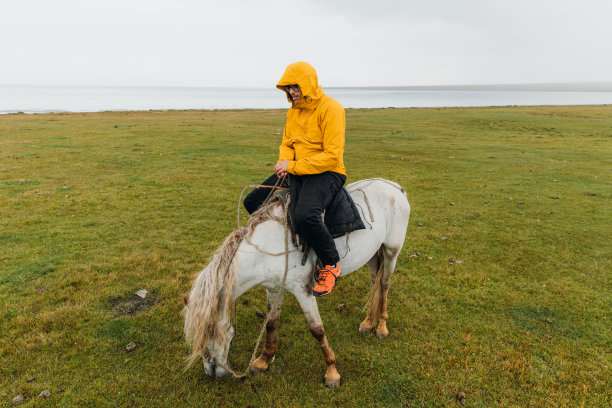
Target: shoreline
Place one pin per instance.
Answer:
(57, 99)
(52, 112)
(527, 87)
(596, 86)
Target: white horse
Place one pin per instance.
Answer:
(255, 255)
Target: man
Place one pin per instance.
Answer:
(311, 152)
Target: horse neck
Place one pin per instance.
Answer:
(246, 279)
(254, 260)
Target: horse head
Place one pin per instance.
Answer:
(215, 356)
(208, 327)
(210, 335)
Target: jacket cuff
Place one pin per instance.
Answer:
(291, 167)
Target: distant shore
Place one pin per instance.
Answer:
(528, 87)
(42, 99)
(537, 87)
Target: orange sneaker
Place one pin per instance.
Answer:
(326, 279)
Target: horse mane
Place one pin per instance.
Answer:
(210, 297)
(267, 212)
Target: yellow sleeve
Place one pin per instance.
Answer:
(331, 158)
(286, 151)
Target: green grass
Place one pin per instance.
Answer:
(94, 207)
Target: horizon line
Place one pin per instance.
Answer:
(586, 86)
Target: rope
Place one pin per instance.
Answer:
(273, 188)
(276, 299)
(372, 180)
(363, 214)
(254, 245)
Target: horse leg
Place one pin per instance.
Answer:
(261, 363)
(390, 259)
(368, 323)
(309, 306)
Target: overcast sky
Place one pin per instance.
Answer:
(349, 42)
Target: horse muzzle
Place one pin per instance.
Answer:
(214, 371)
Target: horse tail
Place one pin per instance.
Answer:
(210, 300)
(374, 303)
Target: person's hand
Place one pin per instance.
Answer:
(281, 168)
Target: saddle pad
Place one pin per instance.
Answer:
(342, 216)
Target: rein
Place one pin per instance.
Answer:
(207, 357)
(273, 188)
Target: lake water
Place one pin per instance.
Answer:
(40, 99)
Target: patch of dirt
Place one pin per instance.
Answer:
(133, 304)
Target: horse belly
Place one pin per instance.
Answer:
(358, 248)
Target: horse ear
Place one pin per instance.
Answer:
(185, 300)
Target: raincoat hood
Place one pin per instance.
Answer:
(303, 74)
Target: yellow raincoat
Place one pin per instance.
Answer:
(313, 139)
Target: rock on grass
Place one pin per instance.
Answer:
(44, 394)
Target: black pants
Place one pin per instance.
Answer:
(310, 196)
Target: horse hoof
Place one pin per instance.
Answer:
(332, 383)
(363, 330)
(256, 371)
(381, 336)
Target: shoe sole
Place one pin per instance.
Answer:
(319, 294)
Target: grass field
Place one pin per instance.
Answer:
(512, 308)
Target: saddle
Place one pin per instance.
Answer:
(340, 218)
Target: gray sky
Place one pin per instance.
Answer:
(349, 42)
